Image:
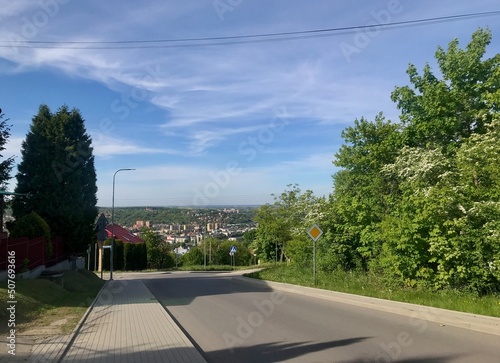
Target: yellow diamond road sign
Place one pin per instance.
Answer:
(315, 232)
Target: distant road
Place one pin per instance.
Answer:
(236, 321)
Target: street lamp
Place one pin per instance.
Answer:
(113, 225)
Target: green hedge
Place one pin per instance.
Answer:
(126, 256)
(135, 256)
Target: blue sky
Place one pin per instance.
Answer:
(222, 124)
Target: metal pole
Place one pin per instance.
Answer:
(204, 253)
(314, 261)
(113, 225)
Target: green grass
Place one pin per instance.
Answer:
(214, 268)
(371, 285)
(41, 301)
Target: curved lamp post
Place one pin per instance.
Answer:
(113, 225)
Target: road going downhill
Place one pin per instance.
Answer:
(231, 320)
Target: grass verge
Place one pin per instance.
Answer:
(371, 285)
(41, 302)
(214, 268)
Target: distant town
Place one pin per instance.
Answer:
(185, 227)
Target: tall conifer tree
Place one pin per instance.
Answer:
(58, 176)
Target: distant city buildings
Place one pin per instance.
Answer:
(141, 224)
(202, 224)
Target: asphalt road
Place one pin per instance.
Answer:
(231, 320)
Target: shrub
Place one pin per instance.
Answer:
(31, 226)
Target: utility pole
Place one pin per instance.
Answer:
(113, 225)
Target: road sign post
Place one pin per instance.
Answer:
(232, 252)
(315, 233)
(102, 234)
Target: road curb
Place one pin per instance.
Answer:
(480, 323)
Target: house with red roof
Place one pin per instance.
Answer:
(122, 234)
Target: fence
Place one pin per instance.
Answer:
(31, 253)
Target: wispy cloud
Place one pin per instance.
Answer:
(107, 147)
(199, 104)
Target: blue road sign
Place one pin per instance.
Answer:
(233, 249)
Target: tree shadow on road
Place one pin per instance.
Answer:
(277, 351)
(418, 359)
(177, 291)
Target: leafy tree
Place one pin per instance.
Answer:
(445, 231)
(420, 201)
(158, 250)
(467, 248)
(193, 257)
(292, 213)
(444, 112)
(57, 176)
(427, 202)
(221, 249)
(362, 195)
(249, 237)
(300, 250)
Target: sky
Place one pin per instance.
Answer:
(224, 121)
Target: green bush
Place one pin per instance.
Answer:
(31, 226)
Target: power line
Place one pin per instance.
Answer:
(236, 39)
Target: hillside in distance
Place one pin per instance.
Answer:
(128, 216)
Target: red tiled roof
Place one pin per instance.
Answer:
(122, 234)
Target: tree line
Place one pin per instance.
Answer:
(415, 201)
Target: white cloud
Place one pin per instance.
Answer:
(107, 147)
(206, 97)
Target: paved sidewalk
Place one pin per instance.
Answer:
(126, 324)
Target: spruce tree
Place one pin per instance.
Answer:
(57, 176)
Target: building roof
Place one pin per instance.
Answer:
(122, 234)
